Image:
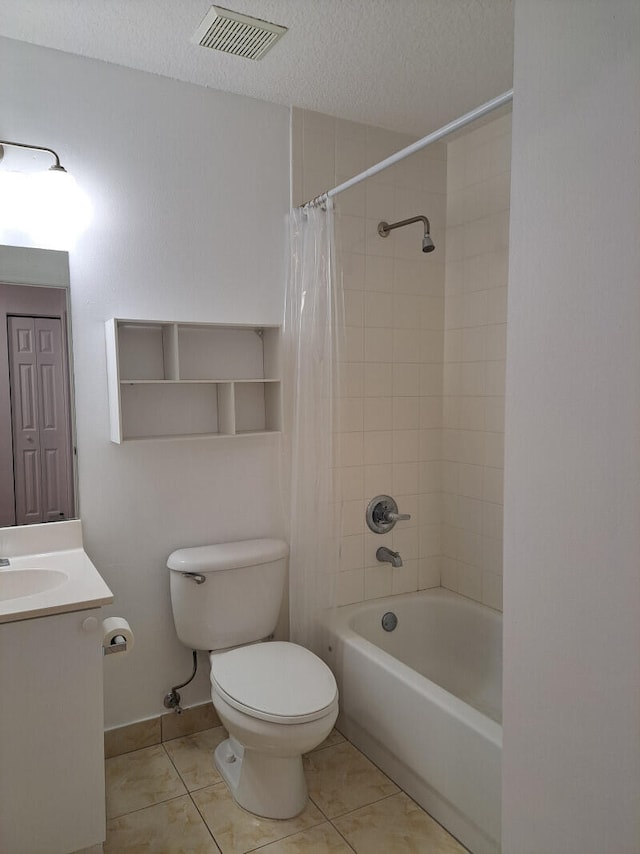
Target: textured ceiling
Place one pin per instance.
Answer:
(407, 65)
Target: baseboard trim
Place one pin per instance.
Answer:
(146, 733)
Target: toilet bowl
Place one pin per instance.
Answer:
(276, 699)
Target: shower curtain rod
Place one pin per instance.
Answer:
(456, 124)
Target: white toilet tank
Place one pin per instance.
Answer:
(227, 594)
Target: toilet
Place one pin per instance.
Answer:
(276, 699)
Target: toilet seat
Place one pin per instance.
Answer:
(275, 681)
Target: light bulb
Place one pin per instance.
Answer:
(58, 210)
(14, 202)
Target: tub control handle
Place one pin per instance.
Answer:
(397, 517)
(195, 576)
(382, 514)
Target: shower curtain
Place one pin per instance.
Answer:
(312, 332)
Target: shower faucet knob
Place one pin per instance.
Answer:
(396, 517)
(382, 514)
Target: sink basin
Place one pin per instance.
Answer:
(16, 583)
(49, 572)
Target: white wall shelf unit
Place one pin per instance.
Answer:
(192, 380)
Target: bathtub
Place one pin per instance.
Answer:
(423, 702)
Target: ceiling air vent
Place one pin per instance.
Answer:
(238, 34)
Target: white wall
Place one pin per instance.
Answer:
(189, 188)
(572, 499)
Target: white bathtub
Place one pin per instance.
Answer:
(424, 702)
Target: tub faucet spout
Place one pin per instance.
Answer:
(385, 555)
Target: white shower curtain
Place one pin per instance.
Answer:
(312, 332)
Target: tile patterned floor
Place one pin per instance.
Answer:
(169, 799)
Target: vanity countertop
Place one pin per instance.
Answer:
(48, 572)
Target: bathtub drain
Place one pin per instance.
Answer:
(389, 621)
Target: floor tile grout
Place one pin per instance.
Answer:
(326, 747)
(322, 818)
(342, 836)
(189, 793)
(368, 804)
(295, 833)
(146, 807)
(184, 782)
(202, 819)
(287, 836)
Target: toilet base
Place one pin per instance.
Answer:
(266, 785)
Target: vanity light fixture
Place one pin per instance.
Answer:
(57, 167)
(47, 205)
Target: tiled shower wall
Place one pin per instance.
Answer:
(478, 183)
(389, 434)
(390, 438)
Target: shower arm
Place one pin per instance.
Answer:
(384, 228)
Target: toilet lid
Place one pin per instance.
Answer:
(275, 681)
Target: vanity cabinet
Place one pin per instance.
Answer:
(52, 796)
(191, 380)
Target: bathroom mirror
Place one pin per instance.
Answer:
(37, 428)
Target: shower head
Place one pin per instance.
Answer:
(427, 243)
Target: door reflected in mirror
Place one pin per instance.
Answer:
(37, 455)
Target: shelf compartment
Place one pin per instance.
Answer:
(232, 352)
(257, 407)
(250, 415)
(152, 410)
(148, 351)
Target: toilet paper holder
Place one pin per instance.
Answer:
(116, 636)
(116, 644)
